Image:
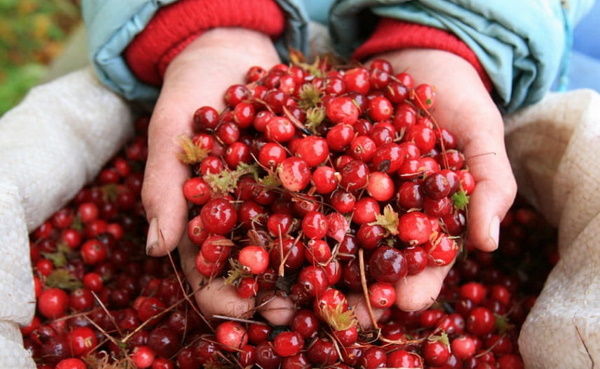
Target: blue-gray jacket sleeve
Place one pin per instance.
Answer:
(112, 24)
(522, 45)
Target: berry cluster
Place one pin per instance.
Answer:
(102, 303)
(315, 182)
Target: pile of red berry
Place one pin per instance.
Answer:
(310, 172)
(364, 191)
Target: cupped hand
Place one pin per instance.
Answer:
(198, 76)
(465, 108)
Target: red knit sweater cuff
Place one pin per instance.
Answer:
(175, 26)
(392, 34)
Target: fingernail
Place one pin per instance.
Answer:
(495, 230)
(153, 233)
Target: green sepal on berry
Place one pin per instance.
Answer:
(314, 118)
(63, 279)
(192, 153)
(460, 199)
(227, 180)
(503, 325)
(388, 220)
(442, 337)
(270, 180)
(60, 257)
(314, 69)
(338, 319)
(310, 97)
(236, 273)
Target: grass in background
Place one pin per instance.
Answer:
(32, 33)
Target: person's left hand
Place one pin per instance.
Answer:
(465, 108)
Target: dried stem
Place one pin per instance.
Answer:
(365, 288)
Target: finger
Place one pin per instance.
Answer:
(361, 310)
(162, 196)
(277, 310)
(213, 297)
(495, 188)
(419, 291)
(218, 298)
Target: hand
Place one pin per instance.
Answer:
(465, 108)
(198, 76)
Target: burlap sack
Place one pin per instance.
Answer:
(554, 148)
(51, 144)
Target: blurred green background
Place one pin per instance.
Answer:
(32, 34)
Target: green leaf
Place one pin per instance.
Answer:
(63, 279)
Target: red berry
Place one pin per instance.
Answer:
(416, 259)
(374, 357)
(313, 279)
(342, 110)
(366, 210)
(231, 335)
(387, 264)
(93, 252)
(463, 347)
(143, 357)
(339, 137)
(474, 291)
(314, 225)
(71, 363)
(294, 174)
(380, 109)
(235, 94)
(216, 248)
(380, 186)
(247, 287)
(218, 216)
(279, 129)
(82, 341)
(306, 323)
(362, 148)
(424, 96)
(414, 228)
(325, 179)
(205, 118)
(480, 321)
(404, 359)
(312, 149)
(435, 352)
(208, 268)
(382, 295)
(271, 154)
(254, 259)
(288, 343)
(322, 352)
(441, 250)
(436, 186)
(53, 303)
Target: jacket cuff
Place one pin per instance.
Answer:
(175, 26)
(392, 34)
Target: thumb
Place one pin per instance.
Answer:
(162, 191)
(494, 192)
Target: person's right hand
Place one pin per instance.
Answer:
(198, 76)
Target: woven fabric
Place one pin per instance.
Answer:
(554, 148)
(51, 145)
